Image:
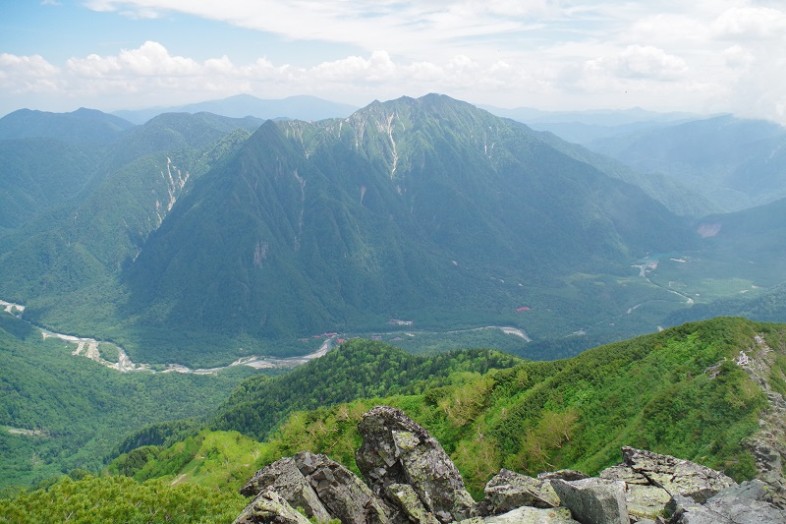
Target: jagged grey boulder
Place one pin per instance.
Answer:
(747, 503)
(343, 494)
(527, 515)
(508, 490)
(404, 496)
(678, 477)
(593, 500)
(563, 474)
(270, 508)
(284, 477)
(396, 450)
(644, 500)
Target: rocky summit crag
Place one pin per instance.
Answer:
(410, 479)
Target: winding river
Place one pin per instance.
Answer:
(93, 349)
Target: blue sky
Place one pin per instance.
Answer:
(702, 56)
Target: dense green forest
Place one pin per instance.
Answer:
(358, 369)
(122, 500)
(60, 412)
(679, 392)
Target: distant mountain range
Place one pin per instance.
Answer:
(735, 163)
(308, 108)
(198, 234)
(83, 126)
(726, 162)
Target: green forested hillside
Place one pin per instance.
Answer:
(37, 174)
(751, 241)
(64, 262)
(60, 412)
(737, 268)
(679, 392)
(357, 369)
(122, 500)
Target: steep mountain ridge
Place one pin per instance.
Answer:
(405, 209)
(66, 259)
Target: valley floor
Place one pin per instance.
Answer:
(97, 350)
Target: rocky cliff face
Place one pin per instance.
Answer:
(410, 479)
(769, 443)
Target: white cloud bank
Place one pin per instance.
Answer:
(703, 56)
(153, 76)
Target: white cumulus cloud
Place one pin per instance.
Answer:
(750, 22)
(708, 55)
(649, 62)
(151, 59)
(27, 74)
(640, 62)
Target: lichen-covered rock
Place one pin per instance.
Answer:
(344, 495)
(646, 502)
(594, 500)
(568, 475)
(270, 508)
(508, 490)
(678, 477)
(527, 515)
(396, 450)
(748, 503)
(404, 496)
(284, 477)
(625, 474)
(643, 499)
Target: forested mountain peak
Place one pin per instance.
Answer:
(404, 209)
(83, 126)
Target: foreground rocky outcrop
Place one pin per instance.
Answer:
(410, 479)
(397, 452)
